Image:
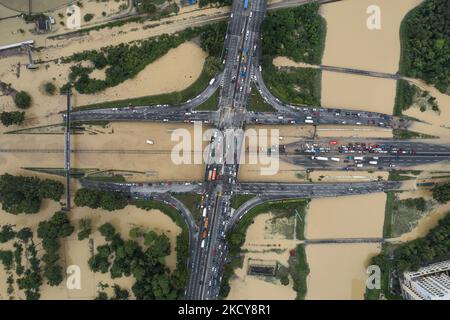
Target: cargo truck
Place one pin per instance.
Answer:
(203, 244)
(359, 158)
(205, 224)
(322, 158)
(214, 174)
(373, 162)
(335, 159)
(204, 212)
(212, 81)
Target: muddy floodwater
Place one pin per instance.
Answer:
(123, 147)
(175, 71)
(360, 216)
(338, 271)
(350, 43)
(327, 131)
(357, 92)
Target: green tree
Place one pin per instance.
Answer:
(51, 189)
(54, 274)
(10, 118)
(112, 201)
(88, 17)
(120, 294)
(441, 192)
(22, 100)
(6, 233)
(87, 198)
(25, 234)
(85, 229)
(49, 88)
(6, 257)
(107, 231)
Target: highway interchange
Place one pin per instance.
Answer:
(208, 246)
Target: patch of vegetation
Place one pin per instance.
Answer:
(236, 238)
(13, 117)
(88, 17)
(51, 231)
(301, 86)
(409, 94)
(146, 264)
(297, 33)
(402, 216)
(192, 201)
(22, 100)
(182, 244)
(425, 42)
(24, 194)
(441, 192)
(218, 3)
(404, 97)
(125, 60)
(299, 270)
(239, 199)
(49, 88)
(403, 175)
(6, 233)
(407, 134)
(256, 102)
(410, 256)
(112, 178)
(94, 199)
(211, 104)
(29, 277)
(85, 229)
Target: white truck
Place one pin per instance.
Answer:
(335, 159)
(373, 162)
(203, 244)
(322, 158)
(309, 121)
(212, 81)
(358, 158)
(359, 165)
(204, 212)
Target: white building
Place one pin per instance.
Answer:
(428, 283)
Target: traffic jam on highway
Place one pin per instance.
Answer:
(375, 154)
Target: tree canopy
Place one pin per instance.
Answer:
(298, 33)
(146, 264)
(99, 199)
(22, 100)
(10, 118)
(441, 192)
(425, 34)
(24, 194)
